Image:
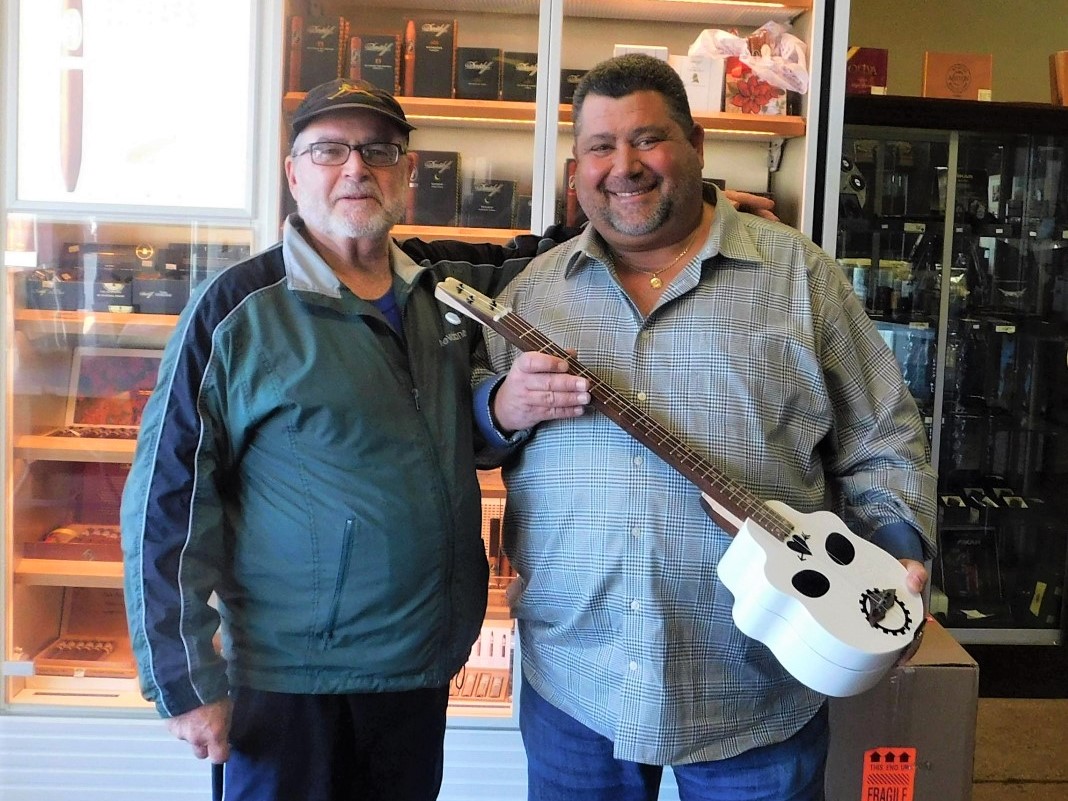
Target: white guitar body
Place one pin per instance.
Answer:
(805, 600)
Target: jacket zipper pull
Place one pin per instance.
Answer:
(415, 397)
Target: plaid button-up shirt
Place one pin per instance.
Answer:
(760, 357)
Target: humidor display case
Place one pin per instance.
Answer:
(107, 228)
(953, 227)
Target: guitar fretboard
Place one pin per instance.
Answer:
(739, 501)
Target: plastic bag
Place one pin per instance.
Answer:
(781, 58)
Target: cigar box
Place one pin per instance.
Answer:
(435, 187)
(478, 73)
(569, 79)
(519, 76)
(93, 639)
(963, 76)
(159, 294)
(83, 542)
(432, 63)
(524, 211)
(113, 296)
(322, 52)
(490, 204)
(866, 70)
(376, 58)
(745, 93)
(703, 77)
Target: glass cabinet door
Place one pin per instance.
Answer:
(957, 243)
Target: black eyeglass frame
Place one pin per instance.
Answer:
(314, 149)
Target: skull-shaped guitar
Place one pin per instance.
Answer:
(832, 607)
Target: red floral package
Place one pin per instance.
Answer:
(745, 93)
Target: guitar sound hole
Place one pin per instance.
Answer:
(840, 549)
(811, 584)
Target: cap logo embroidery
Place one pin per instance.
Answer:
(349, 89)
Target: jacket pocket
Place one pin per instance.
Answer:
(344, 561)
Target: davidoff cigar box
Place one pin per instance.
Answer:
(322, 52)
(84, 542)
(160, 294)
(432, 61)
(866, 70)
(478, 73)
(113, 296)
(490, 204)
(93, 639)
(963, 76)
(569, 79)
(519, 76)
(376, 58)
(435, 187)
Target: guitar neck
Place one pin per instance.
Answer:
(738, 504)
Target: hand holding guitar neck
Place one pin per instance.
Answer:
(834, 609)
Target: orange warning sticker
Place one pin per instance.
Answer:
(889, 774)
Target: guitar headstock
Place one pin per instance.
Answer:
(470, 302)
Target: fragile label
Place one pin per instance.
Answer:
(889, 774)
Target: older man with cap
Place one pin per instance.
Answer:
(308, 457)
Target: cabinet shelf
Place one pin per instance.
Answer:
(139, 328)
(723, 12)
(68, 573)
(509, 115)
(35, 447)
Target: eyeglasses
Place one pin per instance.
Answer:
(334, 154)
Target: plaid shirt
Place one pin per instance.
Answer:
(760, 357)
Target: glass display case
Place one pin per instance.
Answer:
(108, 227)
(953, 227)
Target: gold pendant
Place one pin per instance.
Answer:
(655, 282)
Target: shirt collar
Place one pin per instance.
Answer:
(306, 271)
(728, 237)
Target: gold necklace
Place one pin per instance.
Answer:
(654, 275)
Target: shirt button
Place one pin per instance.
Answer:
(635, 532)
(637, 461)
(642, 396)
(635, 606)
(633, 666)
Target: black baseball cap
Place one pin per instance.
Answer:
(341, 94)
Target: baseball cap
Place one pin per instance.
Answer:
(342, 93)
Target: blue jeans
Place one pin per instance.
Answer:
(568, 762)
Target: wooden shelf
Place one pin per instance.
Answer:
(150, 329)
(500, 114)
(36, 447)
(68, 573)
(706, 12)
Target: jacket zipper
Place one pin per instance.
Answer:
(342, 572)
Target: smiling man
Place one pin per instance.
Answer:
(308, 456)
(741, 337)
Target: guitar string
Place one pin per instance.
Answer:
(521, 330)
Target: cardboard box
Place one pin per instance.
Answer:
(478, 73)
(435, 187)
(745, 93)
(519, 76)
(961, 76)
(866, 70)
(376, 58)
(432, 63)
(912, 736)
(703, 77)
